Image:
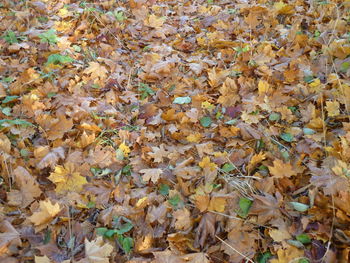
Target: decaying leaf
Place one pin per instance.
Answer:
(46, 213)
(66, 179)
(97, 251)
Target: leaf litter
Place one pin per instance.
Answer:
(162, 131)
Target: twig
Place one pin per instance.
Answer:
(235, 250)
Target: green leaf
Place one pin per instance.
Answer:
(47, 237)
(164, 189)
(274, 116)
(205, 121)
(127, 244)
(9, 99)
(287, 137)
(344, 67)
(299, 206)
(126, 227)
(182, 100)
(295, 243)
(175, 201)
(303, 260)
(90, 205)
(309, 79)
(98, 172)
(119, 15)
(58, 59)
(304, 238)
(231, 122)
(10, 37)
(145, 91)
(244, 205)
(110, 233)
(51, 94)
(308, 131)
(6, 111)
(49, 37)
(24, 152)
(228, 167)
(101, 231)
(263, 258)
(127, 170)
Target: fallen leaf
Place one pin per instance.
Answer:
(97, 251)
(151, 174)
(67, 179)
(46, 213)
(281, 169)
(29, 188)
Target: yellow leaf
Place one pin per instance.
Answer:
(257, 158)
(290, 254)
(207, 105)
(283, 9)
(141, 202)
(62, 12)
(43, 259)
(66, 179)
(96, 251)
(154, 21)
(47, 211)
(126, 150)
(202, 202)
(281, 169)
(263, 87)
(315, 83)
(206, 163)
(217, 204)
(332, 108)
(194, 137)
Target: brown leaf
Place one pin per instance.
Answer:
(205, 228)
(29, 188)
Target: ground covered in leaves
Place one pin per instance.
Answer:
(174, 131)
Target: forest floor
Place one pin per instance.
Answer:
(174, 131)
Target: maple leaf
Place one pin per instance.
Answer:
(29, 188)
(8, 236)
(47, 211)
(154, 21)
(266, 207)
(281, 169)
(96, 71)
(217, 203)
(207, 164)
(51, 158)
(256, 159)
(67, 179)
(158, 153)
(206, 227)
(151, 174)
(183, 219)
(125, 149)
(97, 252)
(59, 128)
(288, 254)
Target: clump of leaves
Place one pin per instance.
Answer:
(10, 37)
(49, 37)
(57, 59)
(145, 91)
(120, 226)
